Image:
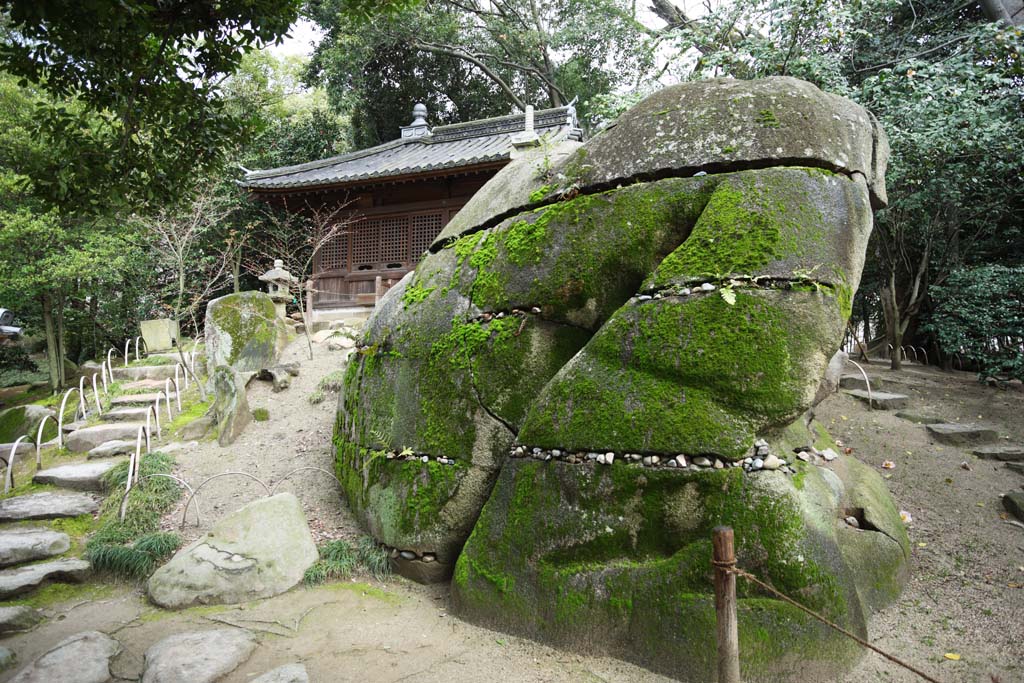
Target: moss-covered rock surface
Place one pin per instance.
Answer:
(243, 332)
(669, 292)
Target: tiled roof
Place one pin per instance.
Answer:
(446, 147)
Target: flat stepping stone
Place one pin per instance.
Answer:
(962, 434)
(23, 579)
(138, 399)
(138, 372)
(88, 438)
(82, 658)
(1005, 452)
(109, 449)
(27, 545)
(18, 618)
(143, 384)
(882, 400)
(47, 505)
(126, 414)
(69, 427)
(86, 476)
(1017, 467)
(920, 419)
(1014, 504)
(198, 657)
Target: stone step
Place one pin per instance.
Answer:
(86, 476)
(69, 427)
(134, 373)
(1004, 452)
(138, 399)
(126, 414)
(880, 399)
(962, 434)
(27, 545)
(144, 385)
(88, 438)
(109, 449)
(1017, 467)
(24, 448)
(47, 505)
(23, 579)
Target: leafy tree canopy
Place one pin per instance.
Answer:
(469, 59)
(134, 103)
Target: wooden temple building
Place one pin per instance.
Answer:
(398, 196)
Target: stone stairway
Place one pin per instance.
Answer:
(981, 440)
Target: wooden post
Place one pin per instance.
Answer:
(309, 306)
(377, 286)
(724, 558)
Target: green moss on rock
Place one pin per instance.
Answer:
(562, 552)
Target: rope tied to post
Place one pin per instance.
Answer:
(733, 569)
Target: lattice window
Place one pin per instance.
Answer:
(334, 254)
(394, 239)
(425, 227)
(366, 242)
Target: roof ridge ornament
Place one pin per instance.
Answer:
(527, 138)
(419, 127)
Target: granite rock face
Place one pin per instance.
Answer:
(259, 551)
(670, 291)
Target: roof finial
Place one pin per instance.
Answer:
(419, 126)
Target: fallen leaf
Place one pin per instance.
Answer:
(844, 417)
(906, 517)
(922, 545)
(949, 480)
(952, 656)
(981, 505)
(847, 450)
(888, 465)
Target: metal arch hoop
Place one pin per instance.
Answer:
(137, 347)
(9, 479)
(39, 440)
(123, 509)
(216, 476)
(925, 352)
(867, 382)
(915, 353)
(300, 469)
(127, 345)
(96, 395)
(82, 403)
(60, 416)
(167, 392)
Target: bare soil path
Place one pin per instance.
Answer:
(965, 596)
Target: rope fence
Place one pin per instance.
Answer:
(726, 571)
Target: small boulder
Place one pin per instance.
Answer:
(1014, 504)
(230, 407)
(23, 579)
(18, 618)
(1004, 452)
(82, 658)
(197, 657)
(86, 476)
(258, 551)
(962, 434)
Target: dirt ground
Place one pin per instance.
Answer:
(965, 595)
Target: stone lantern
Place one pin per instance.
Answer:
(279, 283)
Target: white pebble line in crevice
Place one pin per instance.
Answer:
(410, 555)
(759, 458)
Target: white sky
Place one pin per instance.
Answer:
(302, 37)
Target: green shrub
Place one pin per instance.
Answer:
(338, 560)
(260, 414)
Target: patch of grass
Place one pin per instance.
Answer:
(338, 560)
(132, 548)
(189, 413)
(367, 590)
(201, 611)
(260, 414)
(330, 384)
(154, 360)
(373, 558)
(56, 593)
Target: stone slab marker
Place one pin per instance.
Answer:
(160, 334)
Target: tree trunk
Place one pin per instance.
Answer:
(236, 268)
(94, 304)
(893, 328)
(51, 343)
(58, 317)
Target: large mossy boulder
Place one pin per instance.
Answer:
(24, 421)
(674, 287)
(244, 332)
(617, 560)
